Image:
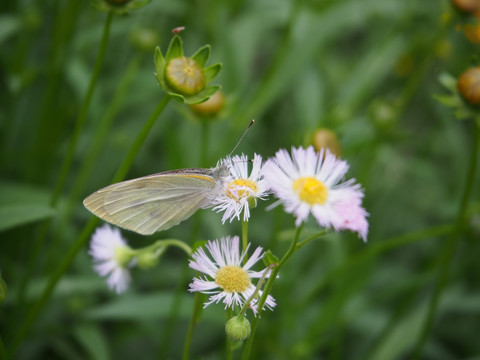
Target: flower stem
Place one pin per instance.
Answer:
(166, 243)
(449, 249)
(82, 115)
(197, 310)
(40, 240)
(87, 230)
(245, 239)
(229, 342)
(267, 289)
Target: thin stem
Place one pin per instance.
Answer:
(197, 310)
(88, 229)
(266, 292)
(83, 112)
(166, 243)
(257, 289)
(104, 127)
(311, 238)
(40, 240)
(245, 239)
(229, 342)
(449, 249)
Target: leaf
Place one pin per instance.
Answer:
(202, 55)
(211, 72)
(13, 215)
(92, 339)
(174, 49)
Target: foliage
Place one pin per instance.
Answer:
(366, 70)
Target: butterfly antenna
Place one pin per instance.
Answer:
(241, 137)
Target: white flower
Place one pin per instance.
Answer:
(112, 257)
(310, 182)
(241, 190)
(231, 281)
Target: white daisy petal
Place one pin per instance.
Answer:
(242, 190)
(103, 247)
(230, 282)
(307, 183)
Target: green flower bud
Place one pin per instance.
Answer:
(211, 107)
(238, 328)
(148, 259)
(144, 39)
(185, 76)
(119, 7)
(123, 255)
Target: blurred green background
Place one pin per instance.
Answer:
(367, 70)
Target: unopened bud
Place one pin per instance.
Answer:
(468, 85)
(324, 138)
(185, 76)
(210, 107)
(238, 328)
(123, 255)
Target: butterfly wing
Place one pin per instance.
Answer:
(153, 203)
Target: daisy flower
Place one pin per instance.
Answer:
(230, 280)
(310, 182)
(241, 190)
(112, 257)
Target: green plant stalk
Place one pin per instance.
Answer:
(450, 246)
(70, 153)
(82, 115)
(245, 239)
(373, 251)
(159, 244)
(88, 229)
(229, 342)
(103, 129)
(197, 310)
(266, 291)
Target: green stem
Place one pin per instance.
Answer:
(103, 129)
(40, 240)
(257, 290)
(197, 310)
(164, 244)
(266, 291)
(83, 112)
(311, 238)
(449, 249)
(85, 234)
(245, 239)
(229, 342)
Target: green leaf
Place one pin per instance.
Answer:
(202, 95)
(159, 62)
(92, 339)
(9, 25)
(211, 72)
(12, 215)
(270, 258)
(202, 55)
(174, 49)
(3, 289)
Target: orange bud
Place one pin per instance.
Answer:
(324, 138)
(468, 85)
(210, 107)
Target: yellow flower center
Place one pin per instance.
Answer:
(232, 278)
(184, 75)
(235, 193)
(311, 190)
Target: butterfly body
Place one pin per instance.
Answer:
(157, 202)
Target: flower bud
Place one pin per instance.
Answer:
(467, 5)
(148, 259)
(123, 255)
(468, 85)
(144, 39)
(324, 138)
(211, 107)
(238, 328)
(184, 75)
